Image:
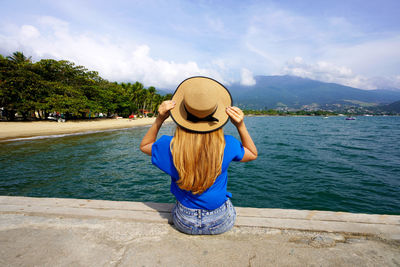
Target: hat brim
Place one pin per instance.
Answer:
(179, 114)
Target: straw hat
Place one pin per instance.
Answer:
(200, 104)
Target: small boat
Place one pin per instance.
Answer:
(350, 118)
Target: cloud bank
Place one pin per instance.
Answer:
(331, 73)
(326, 72)
(115, 60)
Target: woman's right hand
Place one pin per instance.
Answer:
(164, 108)
(236, 115)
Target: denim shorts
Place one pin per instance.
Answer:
(204, 222)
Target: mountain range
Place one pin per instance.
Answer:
(292, 92)
(272, 92)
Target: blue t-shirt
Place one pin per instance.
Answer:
(214, 196)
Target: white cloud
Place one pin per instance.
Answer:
(326, 72)
(163, 73)
(55, 23)
(388, 82)
(28, 32)
(115, 60)
(329, 72)
(247, 78)
(376, 57)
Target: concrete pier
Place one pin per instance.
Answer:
(77, 232)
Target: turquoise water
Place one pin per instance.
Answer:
(304, 163)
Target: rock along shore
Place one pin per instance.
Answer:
(78, 232)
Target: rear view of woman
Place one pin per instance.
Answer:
(198, 155)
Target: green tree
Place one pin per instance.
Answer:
(21, 89)
(50, 85)
(19, 58)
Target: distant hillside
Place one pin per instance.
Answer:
(164, 92)
(295, 92)
(393, 107)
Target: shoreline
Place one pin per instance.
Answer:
(17, 131)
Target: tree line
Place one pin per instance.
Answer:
(36, 89)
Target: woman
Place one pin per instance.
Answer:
(198, 156)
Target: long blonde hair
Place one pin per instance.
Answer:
(197, 158)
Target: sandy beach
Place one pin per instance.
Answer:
(13, 130)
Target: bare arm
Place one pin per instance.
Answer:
(151, 135)
(237, 116)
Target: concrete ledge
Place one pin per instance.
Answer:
(78, 232)
(385, 226)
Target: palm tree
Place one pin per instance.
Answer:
(157, 101)
(138, 93)
(144, 97)
(151, 90)
(19, 58)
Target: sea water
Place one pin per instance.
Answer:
(304, 163)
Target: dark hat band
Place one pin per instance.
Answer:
(194, 118)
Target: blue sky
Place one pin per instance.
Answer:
(160, 43)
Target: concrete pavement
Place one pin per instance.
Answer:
(73, 232)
